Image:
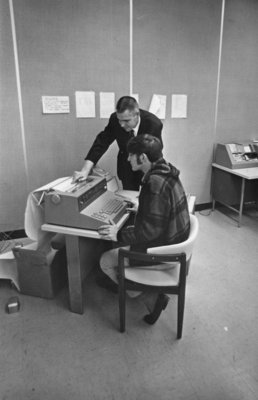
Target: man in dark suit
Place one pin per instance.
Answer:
(128, 121)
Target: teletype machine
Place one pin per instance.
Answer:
(237, 155)
(88, 204)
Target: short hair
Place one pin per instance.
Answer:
(127, 103)
(147, 144)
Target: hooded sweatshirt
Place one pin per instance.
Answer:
(162, 217)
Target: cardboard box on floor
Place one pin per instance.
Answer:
(33, 270)
(38, 268)
(40, 273)
(8, 268)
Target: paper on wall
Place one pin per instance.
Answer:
(85, 104)
(179, 106)
(135, 96)
(55, 104)
(107, 104)
(158, 105)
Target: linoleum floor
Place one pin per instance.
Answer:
(49, 353)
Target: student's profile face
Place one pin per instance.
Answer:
(128, 119)
(135, 161)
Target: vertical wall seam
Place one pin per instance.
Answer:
(131, 47)
(18, 83)
(219, 67)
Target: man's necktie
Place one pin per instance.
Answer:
(131, 134)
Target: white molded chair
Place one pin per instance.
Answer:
(167, 275)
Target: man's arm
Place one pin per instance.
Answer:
(103, 140)
(98, 148)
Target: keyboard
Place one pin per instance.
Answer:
(110, 210)
(112, 206)
(106, 209)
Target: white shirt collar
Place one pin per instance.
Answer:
(137, 126)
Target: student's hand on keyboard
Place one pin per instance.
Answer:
(132, 206)
(108, 232)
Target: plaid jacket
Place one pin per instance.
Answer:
(162, 217)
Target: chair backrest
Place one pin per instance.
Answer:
(184, 247)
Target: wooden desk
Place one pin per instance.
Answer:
(83, 249)
(228, 187)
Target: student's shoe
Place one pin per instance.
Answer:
(107, 283)
(160, 305)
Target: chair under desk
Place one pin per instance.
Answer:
(83, 248)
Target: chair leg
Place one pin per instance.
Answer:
(188, 266)
(122, 308)
(180, 313)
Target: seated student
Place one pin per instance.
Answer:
(162, 217)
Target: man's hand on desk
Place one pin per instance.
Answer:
(108, 232)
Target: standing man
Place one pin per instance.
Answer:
(128, 121)
(162, 217)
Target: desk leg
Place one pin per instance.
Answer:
(241, 202)
(74, 274)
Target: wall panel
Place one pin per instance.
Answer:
(237, 113)
(176, 49)
(65, 46)
(13, 186)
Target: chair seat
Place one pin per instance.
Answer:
(166, 274)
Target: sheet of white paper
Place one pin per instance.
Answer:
(136, 96)
(179, 106)
(85, 104)
(55, 104)
(107, 104)
(158, 105)
(52, 184)
(232, 147)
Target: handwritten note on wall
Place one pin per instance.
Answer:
(55, 104)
